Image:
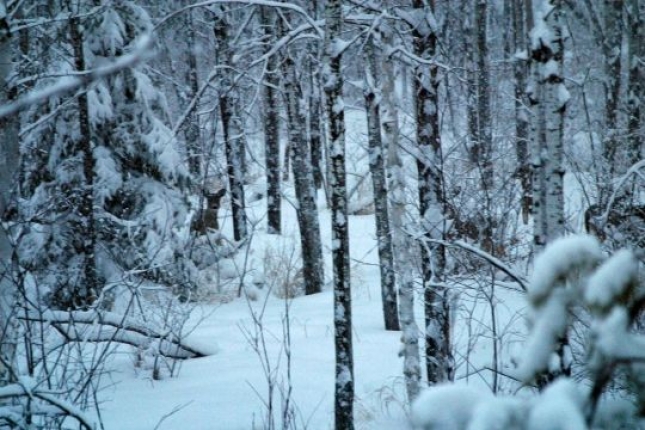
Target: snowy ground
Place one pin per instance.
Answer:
(228, 390)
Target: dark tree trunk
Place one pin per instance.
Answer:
(315, 132)
(192, 130)
(307, 211)
(439, 361)
(333, 84)
(636, 93)
(9, 162)
(612, 42)
(484, 139)
(272, 130)
(520, 73)
(377, 170)
(84, 294)
(232, 134)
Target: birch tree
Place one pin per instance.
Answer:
(333, 85)
(401, 245)
(520, 74)
(439, 361)
(379, 186)
(549, 97)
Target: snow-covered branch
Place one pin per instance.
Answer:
(492, 260)
(65, 85)
(24, 388)
(92, 326)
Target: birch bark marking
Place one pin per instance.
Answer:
(333, 86)
(520, 72)
(549, 100)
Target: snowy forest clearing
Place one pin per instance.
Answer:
(230, 388)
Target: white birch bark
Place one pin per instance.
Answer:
(401, 247)
(549, 98)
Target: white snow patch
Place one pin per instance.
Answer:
(612, 280)
(448, 406)
(558, 260)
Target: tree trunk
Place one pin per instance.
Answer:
(549, 98)
(377, 170)
(272, 130)
(192, 130)
(9, 162)
(439, 361)
(232, 134)
(549, 112)
(520, 72)
(482, 146)
(307, 210)
(400, 243)
(612, 42)
(636, 85)
(333, 84)
(84, 294)
(315, 131)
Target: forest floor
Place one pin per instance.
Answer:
(229, 390)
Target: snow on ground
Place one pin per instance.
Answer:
(228, 390)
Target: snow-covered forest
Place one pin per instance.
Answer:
(322, 214)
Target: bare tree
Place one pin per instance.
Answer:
(549, 97)
(379, 186)
(233, 139)
(401, 245)
(307, 209)
(439, 361)
(333, 84)
(272, 124)
(520, 74)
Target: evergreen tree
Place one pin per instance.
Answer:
(104, 194)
